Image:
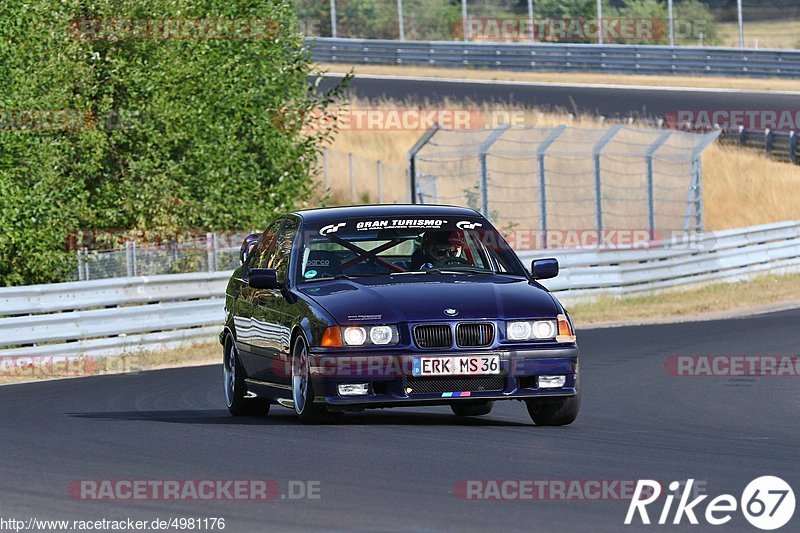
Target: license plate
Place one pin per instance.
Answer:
(460, 365)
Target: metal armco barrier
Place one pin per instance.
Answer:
(728, 255)
(111, 316)
(624, 59)
(116, 316)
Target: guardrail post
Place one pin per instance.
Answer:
(768, 137)
(541, 150)
(793, 146)
(598, 180)
(483, 152)
(651, 203)
(412, 160)
(380, 182)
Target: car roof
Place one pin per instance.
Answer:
(326, 214)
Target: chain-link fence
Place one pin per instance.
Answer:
(764, 23)
(352, 179)
(567, 179)
(202, 253)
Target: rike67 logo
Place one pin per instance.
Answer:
(767, 503)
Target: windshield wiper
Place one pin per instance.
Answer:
(343, 276)
(467, 270)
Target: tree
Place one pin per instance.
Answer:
(182, 123)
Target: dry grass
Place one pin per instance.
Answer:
(741, 187)
(709, 82)
(764, 34)
(710, 301)
(42, 368)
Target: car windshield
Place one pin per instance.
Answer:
(393, 247)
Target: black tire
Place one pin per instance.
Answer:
(236, 389)
(302, 388)
(554, 411)
(472, 408)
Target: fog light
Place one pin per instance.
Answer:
(551, 382)
(353, 389)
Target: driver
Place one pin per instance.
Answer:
(437, 248)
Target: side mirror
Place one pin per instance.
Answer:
(263, 278)
(544, 268)
(247, 246)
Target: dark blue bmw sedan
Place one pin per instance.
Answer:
(346, 308)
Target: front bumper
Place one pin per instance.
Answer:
(391, 383)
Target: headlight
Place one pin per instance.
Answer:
(518, 331)
(544, 329)
(526, 330)
(376, 335)
(355, 336)
(380, 335)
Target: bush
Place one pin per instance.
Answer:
(171, 132)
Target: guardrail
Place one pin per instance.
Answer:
(718, 256)
(619, 58)
(111, 316)
(115, 316)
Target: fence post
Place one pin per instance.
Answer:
(325, 169)
(333, 19)
(380, 182)
(352, 178)
(696, 190)
(598, 180)
(210, 238)
(135, 264)
(483, 152)
(540, 153)
(129, 258)
(412, 160)
(85, 264)
(80, 265)
(651, 202)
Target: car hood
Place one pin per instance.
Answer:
(424, 298)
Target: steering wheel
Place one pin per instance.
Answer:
(447, 261)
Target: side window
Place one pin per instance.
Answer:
(283, 249)
(263, 248)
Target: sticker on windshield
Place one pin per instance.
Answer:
(331, 228)
(310, 274)
(403, 223)
(466, 224)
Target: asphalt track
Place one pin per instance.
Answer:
(609, 101)
(395, 470)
